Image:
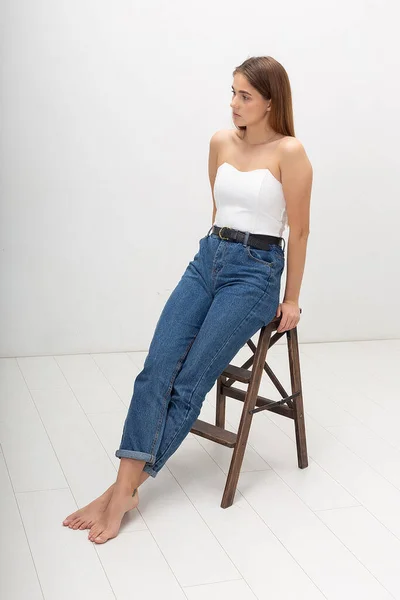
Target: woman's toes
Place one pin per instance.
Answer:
(72, 523)
(100, 539)
(77, 524)
(94, 532)
(74, 515)
(69, 519)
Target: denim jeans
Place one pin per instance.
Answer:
(226, 294)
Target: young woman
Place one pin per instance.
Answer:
(261, 181)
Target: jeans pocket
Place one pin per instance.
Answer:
(279, 253)
(264, 257)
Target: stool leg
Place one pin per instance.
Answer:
(295, 378)
(220, 403)
(245, 421)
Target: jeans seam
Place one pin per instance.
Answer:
(203, 280)
(178, 364)
(205, 370)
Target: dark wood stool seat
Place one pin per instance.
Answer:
(291, 405)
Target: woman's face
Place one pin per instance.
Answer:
(247, 102)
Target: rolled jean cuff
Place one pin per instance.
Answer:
(121, 453)
(149, 470)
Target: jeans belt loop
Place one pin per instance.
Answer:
(246, 237)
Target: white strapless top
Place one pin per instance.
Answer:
(249, 200)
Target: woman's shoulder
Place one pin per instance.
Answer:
(291, 148)
(222, 135)
(224, 138)
(290, 143)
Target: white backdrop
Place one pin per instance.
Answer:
(107, 109)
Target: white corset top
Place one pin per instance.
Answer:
(249, 200)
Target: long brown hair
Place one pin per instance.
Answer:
(271, 80)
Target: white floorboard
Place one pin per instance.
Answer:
(330, 531)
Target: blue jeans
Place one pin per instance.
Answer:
(226, 294)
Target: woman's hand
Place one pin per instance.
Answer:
(290, 312)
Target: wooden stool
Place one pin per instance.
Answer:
(290, 406)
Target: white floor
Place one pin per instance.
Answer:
(329, 531)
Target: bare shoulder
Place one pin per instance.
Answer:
(220, 137)
(291, 146)
(296, 170)
(293, 157)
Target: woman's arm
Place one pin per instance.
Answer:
(215, 142)
(296, 176)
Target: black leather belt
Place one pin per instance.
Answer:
(258, 240)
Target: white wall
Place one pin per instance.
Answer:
(106, 114)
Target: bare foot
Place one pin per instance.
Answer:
(85, 517)
(108, 525)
